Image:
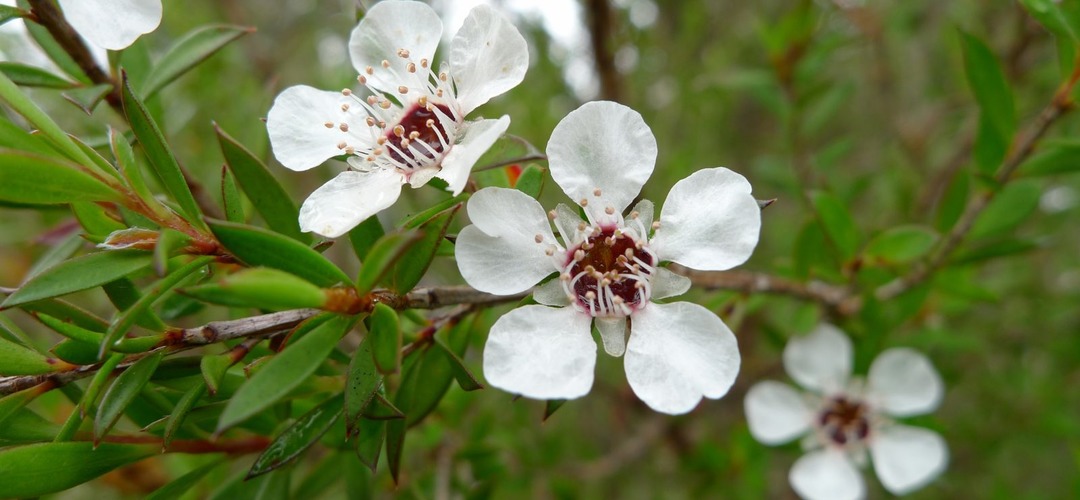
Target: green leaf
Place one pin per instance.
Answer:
(129, 169)
(990, 146)
(992, 92)
(32, 76)
(298, 437)
(1047, 13)
(39, 469)
(531, 180)
(213, 370)
(385, 335)
(384, 254)
(14, 137)
(382, 409)
(1054, 157)
(10, 94)
(414, 262)
(8, 13)
(80, 273)
(160, 155)
(29, 178)
(259, 247)
(464, 377)
(551, 406)
(994, 249)
(270, 199)
(195, 47)
(122, 392)
(369, 442)
(263, 288)
(230, 197)
(169, 241)
(364, 236)
(87, 98)
(837, 222)
(901, 244)
(285, 371)
(12, 403)
(180, 412)
(96, 220)
(421, 218)
(1008, 209)
(183, 484)
(362, 383)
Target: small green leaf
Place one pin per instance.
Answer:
(213, 370)
(259, 247)
(421, 218)
(80, 273)
(364, 236)
(169, 241)
(263, 288)
(14, 137)
(180, 412)
(464, 377)
(387, 251)
(382, 409)
(285, 371)
(8, 13)
(412, 265)
(1008, 209)
(183, 484)
(122, 392)
(161, 156)
(991, 89)
(837, 222)
(531, 180)
(990, 146)
(87, 98)
(32, 76)
(994, 249)
(385, 335)
(195, 47)
(12, 403)
(369, 442)
(56, 254)
(362, 383)
(38, 469)
(230, 197)
(268, 197)
(298, 437)
(39, 180)
(1054, 157)
(901, 244)
(551, 406)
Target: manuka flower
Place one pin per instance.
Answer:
(843, 418)
(418, 134)
(608, 268)
(112, 24)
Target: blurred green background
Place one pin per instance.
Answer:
(865, 100)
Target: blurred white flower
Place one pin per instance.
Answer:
(608, 268)
(112, 24)
(844, 418)
(421, 133)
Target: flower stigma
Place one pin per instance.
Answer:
(843, 421)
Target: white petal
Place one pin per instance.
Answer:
(499, 253)
(678, 353)
(339, 205)
(907, 458)
(613, 333)
(602, 145)
(297, 126)
(478, 138)
(903, 382)
(112, 24)
(668, 284)
(710, 221)
(776, 413)
(567, 221)
(826, 475)
(820, 360)
(388, 27)
(551, 293)
(487, 57)
(541, 352)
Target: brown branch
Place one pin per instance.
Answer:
(230, 446)
(750, 282)
(48, 15)
(1060, 104)
(256, 326)
(601, 25)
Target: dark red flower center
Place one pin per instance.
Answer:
(844, 421)
(609, 270)
(418, 125)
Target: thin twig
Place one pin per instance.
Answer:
(601, 26)
(750, 282)
(221, 331)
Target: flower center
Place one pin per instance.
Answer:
(419, 137)
(609, 274)
(844, 421)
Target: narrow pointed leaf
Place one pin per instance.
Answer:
(160, 154)
(364, 236)
(122, 392)
(180, 412)
(362, 383)
(169, 241)
(87, 98)
(383, 255)
(12, 403)
(464, 377)
(551, 406)
(421, 218)
(213, 370)
(32, 76)
(1054, 157)
(10, 94)
(259, 247)
(285, 371)
(39, 180)
(261, 287)
(531, 180)
(901, 244)
(183, 484)
(195, 47)
(230, 197)
(15, 137)
(837, 222)
(991, 89)
(298, 437)
(273, 203)
(80, 273)
(381, 408)
(369, 442)
(415, 261)
(385, 338)
(38, 469)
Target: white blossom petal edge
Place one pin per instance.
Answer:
(112, 24)
(606, 269)
(421, 132)
(845, 418)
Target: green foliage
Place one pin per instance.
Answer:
(39, 469)
(259, 247)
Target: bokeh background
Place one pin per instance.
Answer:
(865, 100)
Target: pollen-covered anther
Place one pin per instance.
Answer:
(628, 254)
(378, 151)
(439, 92)
(370, 121)
(344, 127)
(552, 215)
(596, 192)
(584, 202)
(342, 145)
(329, 124)
(411, 67)
(385, 64)
(413, 135)
(579, 255)
(399, 130)
(423, 63)
(350, 150)
(443, 76)
(405, 143)
(345, 107)
(590, 295)
(403, 53)
(581, 225)
(385, 104)
(609, 210)
(403, 89)
(656, 225)
(372, 100)
(538, 238)
(550, 251)
(369, 70)
(635, 214)
(381, 140)
(346, 92)
(422, 102)
(361, 79)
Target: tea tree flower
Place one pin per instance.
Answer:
(112, 24)
(607, 269)
(410, 126)
(844, 418)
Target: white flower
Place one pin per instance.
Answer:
(608, 268)
(421, 133)
(112, 24)
(843, 418)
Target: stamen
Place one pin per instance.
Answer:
(344, 127)
(584, 202)
(329, 124)
(346, 92)
(596, 192)
(539, 238)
